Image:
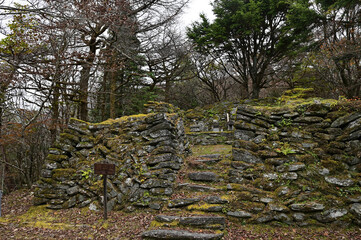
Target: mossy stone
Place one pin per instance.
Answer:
(63, 174)
(57, 158)
(71, 137)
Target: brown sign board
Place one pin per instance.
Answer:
(104, 168)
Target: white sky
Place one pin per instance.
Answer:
(196, 7)
(191, 12)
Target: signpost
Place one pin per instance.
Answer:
(105, 169)
(1, 194)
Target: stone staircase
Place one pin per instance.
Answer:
(197, 210)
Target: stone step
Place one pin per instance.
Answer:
(207, 161)
(203, 176)
(205, 207)
(215, 200)
(179, 235)
(200, 222)
(212, 156)
(178, 203)
(202, 166)
(197, 188)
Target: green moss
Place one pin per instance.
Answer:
(298, 93)
(64, 173)
(123, 119)
(298, 99)
(48, 181)
(202, 207)
(333, 166)
(57, 158)
(71, 120)
(104, 150)
(194, 114)
(69, 136)
(156, 224)
(211, 149)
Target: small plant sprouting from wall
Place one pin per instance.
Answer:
(87, 174)
(285, 149)
(285, 122)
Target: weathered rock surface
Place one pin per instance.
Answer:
(182, 202)
(208, 222)
(340, 182)
(179, 235)
(239, 214)
(307, 207)
(203, 176)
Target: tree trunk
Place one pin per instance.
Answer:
(255, 91)
(84, 85)
(102, 101)
(55, 112)
(112, 96)
(167, 90)
(84, 78)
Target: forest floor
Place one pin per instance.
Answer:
(21, 220)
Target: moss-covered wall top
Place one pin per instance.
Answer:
(147, 150)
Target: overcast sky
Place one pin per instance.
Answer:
(191, 12)
(196, 7)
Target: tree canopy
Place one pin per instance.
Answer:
(254, 36)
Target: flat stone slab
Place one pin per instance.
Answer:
(205, 207)
(176, 203)
(204, 222)
(340, 182)
(211, 156)
(215, 200)
(239, 214)
(203, 176)
(198, 188)
(209, 222)
(207, 161)
(307, 207)
(166, 219)
(179, 235)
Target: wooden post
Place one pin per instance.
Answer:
(105, 197)
(1, 195)
(105, 169)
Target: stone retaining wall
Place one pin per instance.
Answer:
(148, 151)
(297, 165)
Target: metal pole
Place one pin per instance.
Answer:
(105, 197)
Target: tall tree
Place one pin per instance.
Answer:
(95, 20)
(337, 59)
(254, 35)
(213, 76)
(167, 60)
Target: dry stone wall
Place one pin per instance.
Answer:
(210, 125)
(148, 151)
(297, 165)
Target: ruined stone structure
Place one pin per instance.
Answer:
(148, 150)
(296, 164)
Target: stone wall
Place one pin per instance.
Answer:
(298, 164)
(291, 163)
(210, 125)
(148, 151)
(210, 138)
